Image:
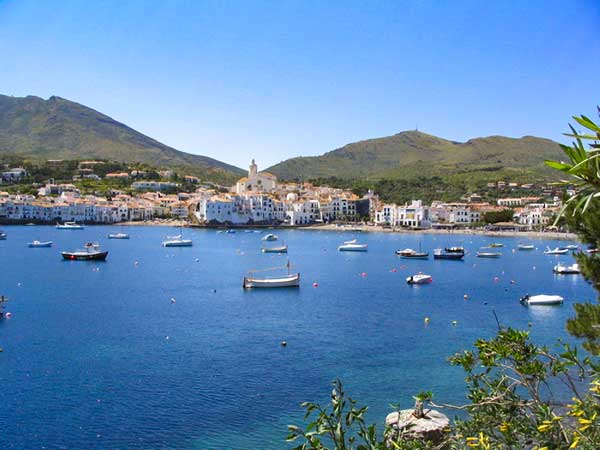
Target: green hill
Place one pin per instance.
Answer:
(61, 129)
(413, 154)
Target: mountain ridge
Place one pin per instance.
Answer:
(59, 128)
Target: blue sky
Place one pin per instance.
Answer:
(276, 79)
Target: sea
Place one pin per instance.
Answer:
(161, 348)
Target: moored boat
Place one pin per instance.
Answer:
(542, 299)
(69, 226)
(525, 247)
(489, 255)
(561, 269)
(39, 244)
(269, 237)
(419, 278)
(556, 251)
(278, 249)
(91, 252)
(456, 255)
(496, 245)
(2, 235)
(354, 247)
(177, 243)
(571, 247)
(118, 236)
(409, 253)
(290, 280)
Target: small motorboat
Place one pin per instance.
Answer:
(270, 237)
(409, 253)
(561, 269)
(489, 254)
(354, 247)
(571, 247)
(525, 247)
(118, 236)
(439, 253)
(230, 232)
(177, 243)
(556, 251)
(39, 244)
(290, 280)
(279, 249)
(496, 245)
(2, 235)
(542, 299)
(91, 252)
(419, 278)
(69, 226)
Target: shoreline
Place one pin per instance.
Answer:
(553, 235)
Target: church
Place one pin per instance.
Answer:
(256, 181)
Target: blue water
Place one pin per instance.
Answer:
(97, 356)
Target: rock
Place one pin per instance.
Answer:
(431, 427)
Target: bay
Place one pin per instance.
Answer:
(96, 355)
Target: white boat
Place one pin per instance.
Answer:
(289, 280)
(419, 278)
(2, 235)
(269, 237)
(177, 243)
(525, 247)
(39, 244)
(279, 249)
(118, 236)
(542, 299)
(566, 270)
(571, 247)
(556, 251)
(69, 226)
(355, 247)
(488, 255)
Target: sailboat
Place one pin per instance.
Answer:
(290, 280)
(177, 241)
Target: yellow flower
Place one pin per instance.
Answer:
(575, 442)
(504, 427)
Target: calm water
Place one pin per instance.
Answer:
(97, 356)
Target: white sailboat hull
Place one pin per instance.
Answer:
(279, 282)
(178, 243)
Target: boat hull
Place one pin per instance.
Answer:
(177, 244)
(118, 236)
(282, 282)
(489, 255)
(39, 244)
(275, 250)
(542, 300)
(450, 256)
(414, 256)
(100, 256)
(345, 248)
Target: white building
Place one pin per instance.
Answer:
(256, 181)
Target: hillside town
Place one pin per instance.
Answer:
(260, 199)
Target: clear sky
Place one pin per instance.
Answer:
(276, 79)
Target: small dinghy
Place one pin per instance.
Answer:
(525, 247)
(270, 237)
(69, 226)
(496, 245)
(39, 244)
(419, 278)
(571, 247)
(542, 299)
(354, 247)
(2, 235)
(556, 251)
(489, 255)
(561, 269)
(118, 236)
(279, 249)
